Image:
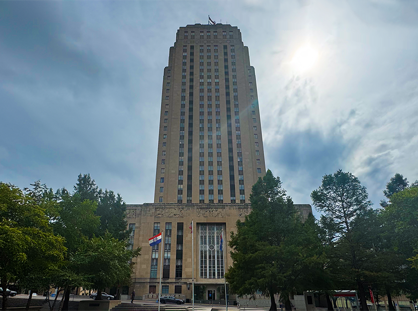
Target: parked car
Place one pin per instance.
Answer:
(9, 292)
(104, 296)
(171, 299)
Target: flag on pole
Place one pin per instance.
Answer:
(221, 244)
(191, 227)
(211, 22)
(155, 240)
(371, 295)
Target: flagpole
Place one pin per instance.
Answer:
(226, 293)
(161, 268)
(192, 267)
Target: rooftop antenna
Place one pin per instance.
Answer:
(210, 21)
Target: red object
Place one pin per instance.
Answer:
(371, 295)
(191, 228)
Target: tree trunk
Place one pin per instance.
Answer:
(329, 303)
(66, 299)
(118, 293)
(287, 304)
(362, 296)
(99, 295)
(62, 301)
(29, 300)
(390, 302)
(55, 300)
(273, 306)
(3, 305)
(4, 294)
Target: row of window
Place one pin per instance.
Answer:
(208, 34)
(164, 289)
(164, 143)
(167, 251)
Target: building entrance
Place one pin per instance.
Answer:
(211, 295)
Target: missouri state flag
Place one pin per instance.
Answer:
(155, 240)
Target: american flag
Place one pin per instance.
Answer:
(191, 227)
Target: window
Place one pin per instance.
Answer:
(164, 289)
(257, 152)
(160, 199)
(165, 128)
(255, 136)
(177, 289)
(166, 113)
(211, 257)
(131, 235)
(258, 161)
(258, 170)
(163, 153)
(164, 144)
(179, 250)
(165, 120)
(256, 143)
(161, 179)
(162, 161)
(154, 256)
(254, 120)
(165, 136)
(254, 128)
(161, 189)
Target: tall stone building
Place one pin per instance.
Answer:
(210, 153)
(210, 144)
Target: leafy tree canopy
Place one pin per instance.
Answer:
(105, 261)
(27, 243)
(346, 220)
(273, 251)
(110, 207)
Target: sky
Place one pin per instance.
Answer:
(80, 89)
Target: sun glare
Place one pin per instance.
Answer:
(305, 58)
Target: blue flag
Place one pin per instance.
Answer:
(222, 241)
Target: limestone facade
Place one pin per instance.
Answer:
(144, 216)
(210, 147)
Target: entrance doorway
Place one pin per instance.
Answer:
(211, 294)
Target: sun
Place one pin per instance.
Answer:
(305, 58)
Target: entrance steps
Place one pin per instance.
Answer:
(148, 307)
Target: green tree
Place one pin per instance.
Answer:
(344, 202)
(27, 242)
(401, 217)
(397, 183)
(86, 187)
(273, 251)
(111, 210)
(77, 223)
(105, 262)
(110, 207)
